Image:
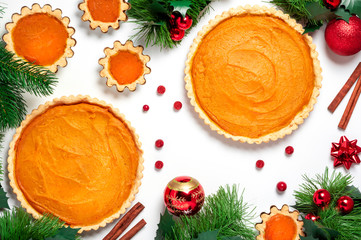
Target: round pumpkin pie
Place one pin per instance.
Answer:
(124, 66)
(251, 74)
(41, 36)
(104, 13)
(78, 159)
(280, 224)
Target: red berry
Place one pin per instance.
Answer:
(161, 89)
(260, 164)
(159, 164)
(159, 143)
(146, 108)
(281, 186)
(312, 217)
(289, 150)
(177, 105)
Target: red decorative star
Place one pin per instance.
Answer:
(345, 152)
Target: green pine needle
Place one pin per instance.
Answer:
(224, 211)
(153, 17)
(1, 146)
(349, 226)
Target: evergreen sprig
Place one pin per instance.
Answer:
(153, 18)
(348, 226)
(18, 224)
(1, 168)
(16, 77)
(223, 215)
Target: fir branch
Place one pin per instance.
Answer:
(18, 224)
(1, 147)
(32, 78)
(348, 226)
(224, 211)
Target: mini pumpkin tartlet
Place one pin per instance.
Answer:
(104, 13)
(77, 158)
(280, 224)
(252, 75)
(41, 36)
(124, 65)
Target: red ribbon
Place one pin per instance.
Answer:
(345, 152)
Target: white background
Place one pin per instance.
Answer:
(191, 148)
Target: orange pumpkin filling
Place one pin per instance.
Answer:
(280, 227)
(40, 38)
(78, 162)
(104, 10)
(252, 75)
(125, 67)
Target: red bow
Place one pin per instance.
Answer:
(345, 152)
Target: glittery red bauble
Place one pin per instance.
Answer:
(344, 38)
(345, 204)
(176, 34)
(184, 22)
(184, 196)
(331, 4)
(322, 198)
(312, 217)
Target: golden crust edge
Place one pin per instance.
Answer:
(71, 100)
(299, 118)
(104, 26)
(127, 46)
(35, 8)
(273, 211)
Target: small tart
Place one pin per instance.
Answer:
(280, 224)
(104, 13)
(251, 74)
(41, 36)
(78, 159)
(124, 65)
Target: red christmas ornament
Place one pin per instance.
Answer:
(260, 164)
(322, 198)
(344, 38)
(345, 152)
(289, 150)
(159, 143)
(176, 34)
(312, 217)
(177, 105)
(184, 196)
(158, 165)
(345, 204)
(281, 186)
(331, 4)
(184, 23)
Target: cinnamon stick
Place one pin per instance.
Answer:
(134, 230)
(350, 106)
(124, 222)
(344, 90)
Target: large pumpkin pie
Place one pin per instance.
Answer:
(78, 159)
(251, 74)
(41, 36)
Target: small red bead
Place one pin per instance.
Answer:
(159, 143)
(177, 105)
(158, 164)
(161, 89)
(281, 186)
(260, 164)
(289, 150)
(146, 108)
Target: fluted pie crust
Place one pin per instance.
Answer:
(104, 26)
(64, 148)
(36, 9)
(200, 70)
(129, 48)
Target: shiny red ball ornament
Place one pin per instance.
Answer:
(322, 198)
(345, 204)
(344, 38)
(184, 196)
(176, 34)
(281, 186)
(184, 22)
(331, 4)
(312, 217)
